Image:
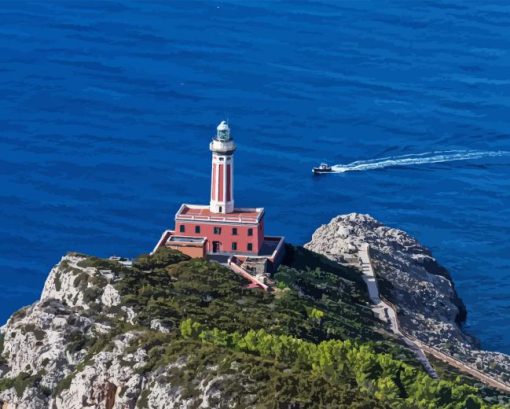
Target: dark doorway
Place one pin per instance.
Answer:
(216, 246)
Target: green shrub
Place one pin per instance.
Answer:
(99, 263)
(39, 334)
(58, 281)
(97, 280)
(91, 294)
(314, 344)
(81, 280)
(162, 258)
(20, 383)
(380, 375)
(143, 399)
(23, 381)
(64, 384)
(76, 342)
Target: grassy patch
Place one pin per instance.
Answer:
(58, 281)
(143, 399)
(39, 334)
(92, 294)
(20, 383)
(64, 384)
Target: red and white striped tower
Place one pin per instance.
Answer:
(222, 175)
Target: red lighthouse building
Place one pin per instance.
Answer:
(220, 229)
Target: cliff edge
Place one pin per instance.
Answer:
(174, 332)
(422, 290)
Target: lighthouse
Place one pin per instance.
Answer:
(222, 172)
(219, 230)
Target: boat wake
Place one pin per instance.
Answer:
(416, 159)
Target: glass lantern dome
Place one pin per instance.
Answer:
(223, 132)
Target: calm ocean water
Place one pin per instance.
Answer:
(107, 109)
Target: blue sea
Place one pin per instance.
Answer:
(107, 109)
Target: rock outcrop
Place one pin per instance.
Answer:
(411, 278)
(107, 336)
(48, 358)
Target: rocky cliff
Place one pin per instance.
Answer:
(170, 332)
(411, 278)
(107, 336)
(44, 342)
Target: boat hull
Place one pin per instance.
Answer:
(319, 171)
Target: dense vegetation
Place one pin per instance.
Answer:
(171, 287)
(311, 343)
(338, 362)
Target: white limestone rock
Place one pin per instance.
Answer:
(51, 341)
(46, 340)
(111, 296)
(158, 325)
(99, 384)
(64, 284)
(48, 343)
(410, 277)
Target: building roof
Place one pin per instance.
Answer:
(202, 213)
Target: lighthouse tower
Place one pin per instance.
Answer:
(222, 175)
(221, 231)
